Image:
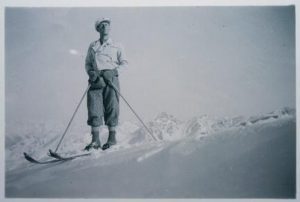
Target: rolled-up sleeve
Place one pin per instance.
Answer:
(122, 60)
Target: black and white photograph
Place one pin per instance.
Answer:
(150, 102)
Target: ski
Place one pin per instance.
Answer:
(61, 158)
(32, 160)
(57, 158)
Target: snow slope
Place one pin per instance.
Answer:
(204, 157)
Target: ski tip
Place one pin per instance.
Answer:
(29, 158)
(25, 154)
(56, 155)
(52, 153)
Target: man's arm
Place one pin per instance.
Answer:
(93, 75)
(122, 61)
(89, 60)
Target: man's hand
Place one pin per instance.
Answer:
(93, 75)
(109, 74)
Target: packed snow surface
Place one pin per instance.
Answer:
(205, 157)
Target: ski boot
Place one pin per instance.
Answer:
(111, 140)
(95, 144)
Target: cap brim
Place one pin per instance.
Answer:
(103, 22)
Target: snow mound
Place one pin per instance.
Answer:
(238, 157)
(205, 125)
(270, 116)
(166, 127)
(36, 138)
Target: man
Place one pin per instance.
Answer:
(103, 60)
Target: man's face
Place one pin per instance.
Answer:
(104, 28)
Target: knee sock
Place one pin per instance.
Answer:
(95, 129)
(111, 128)
(95, 134)
(112, 137)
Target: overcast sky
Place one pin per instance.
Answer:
(187, 61)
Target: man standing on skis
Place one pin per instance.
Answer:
(104, 59)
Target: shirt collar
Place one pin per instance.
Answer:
(98, 44)
(109, 41)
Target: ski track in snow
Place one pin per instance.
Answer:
(149, 154)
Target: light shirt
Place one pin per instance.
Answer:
(105, 56)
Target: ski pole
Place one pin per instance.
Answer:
(65, 132)
(116, 89)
